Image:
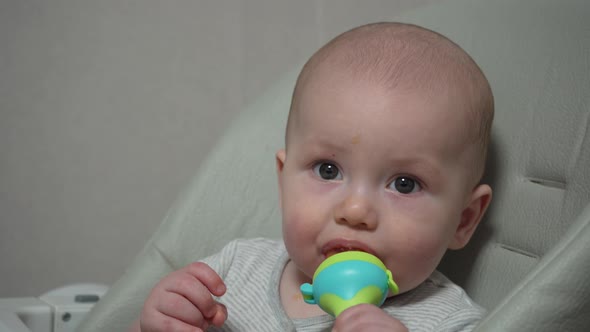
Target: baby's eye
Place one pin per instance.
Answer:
(327, 171)
(405, 185)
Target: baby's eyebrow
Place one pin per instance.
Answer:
(420, 166)
(321, 145)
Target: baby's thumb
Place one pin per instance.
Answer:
(220, 316)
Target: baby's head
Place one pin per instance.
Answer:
(385, 147)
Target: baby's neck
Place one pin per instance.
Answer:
(291, 297)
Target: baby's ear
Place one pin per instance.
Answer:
(280, 160)
(471, 215)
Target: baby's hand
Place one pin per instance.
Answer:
(182, 301)
(367, 317)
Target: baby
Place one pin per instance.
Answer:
(385, 148)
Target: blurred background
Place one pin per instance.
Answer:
(108, 107)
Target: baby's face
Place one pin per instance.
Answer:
(374, 170)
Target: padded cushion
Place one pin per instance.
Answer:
(523, 264)
(555, 296)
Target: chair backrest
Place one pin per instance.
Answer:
(529, 259)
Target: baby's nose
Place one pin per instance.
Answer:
(357, 211)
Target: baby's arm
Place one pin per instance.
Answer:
(367, 317)
(183, 300)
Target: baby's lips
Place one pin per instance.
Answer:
(342, 245)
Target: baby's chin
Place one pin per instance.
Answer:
(303, 275)
(405, 286)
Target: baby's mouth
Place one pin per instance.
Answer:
(337, 251)
(337, 246)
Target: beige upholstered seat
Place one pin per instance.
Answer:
(530, 260)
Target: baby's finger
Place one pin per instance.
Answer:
(179, 307)
(207, 276)
(220, 316)
(161, 322)
(187, 286)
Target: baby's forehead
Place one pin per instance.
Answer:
(421, 74)
(338, 99)
(360, 110)
(451, 94)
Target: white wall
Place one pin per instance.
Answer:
(108, 107)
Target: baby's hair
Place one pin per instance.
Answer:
(406, 56)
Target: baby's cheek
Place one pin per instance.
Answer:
(295, 230)
(417, 260)
(299, 211)
(293, 218)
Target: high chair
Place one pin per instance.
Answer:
(529, 262)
